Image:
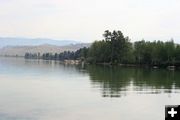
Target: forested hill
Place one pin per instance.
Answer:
(115, 48)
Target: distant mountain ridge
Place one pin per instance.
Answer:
(10, 46)
(44, 48)
(10, 41)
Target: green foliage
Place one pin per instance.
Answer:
(117, 49)
(66, 55)
(98, 52)
(155, 53)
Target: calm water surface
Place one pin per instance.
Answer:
(48, 90)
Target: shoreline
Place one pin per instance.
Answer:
(79, 62)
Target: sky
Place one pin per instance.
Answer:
(86, 20)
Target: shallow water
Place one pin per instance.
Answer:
(48, 90)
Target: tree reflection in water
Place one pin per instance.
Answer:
(120, 81)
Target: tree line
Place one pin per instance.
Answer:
(115, 48)
(66, 55)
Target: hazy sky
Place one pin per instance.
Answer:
(86, 20)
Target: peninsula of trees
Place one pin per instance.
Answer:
(115, 48)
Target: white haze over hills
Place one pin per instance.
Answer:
(19, 46)
(8, 41)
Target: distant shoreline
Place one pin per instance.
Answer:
(79, 62)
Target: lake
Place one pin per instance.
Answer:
(48, 90)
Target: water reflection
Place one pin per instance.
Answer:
(30, 68)
(49, 90)
(118, 81)
(110, 81)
